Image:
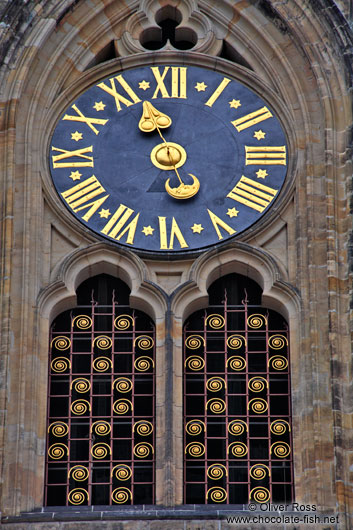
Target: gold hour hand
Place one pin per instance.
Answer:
(168, 155)
(152, 118)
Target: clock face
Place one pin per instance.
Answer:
(168, 158)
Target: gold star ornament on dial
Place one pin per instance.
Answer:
(168, 159)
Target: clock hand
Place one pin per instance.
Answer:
(151, 120)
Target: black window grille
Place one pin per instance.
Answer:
(237, 409)
(101, 401)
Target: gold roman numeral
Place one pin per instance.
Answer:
(177, 82)
(78, 196)
(252, 119)
(253, 194)
(218, 91)
(80, 153)
(265, 156)
(116, 228)
(112, 91)
(84, 119)
(217, 222)
(174, 232)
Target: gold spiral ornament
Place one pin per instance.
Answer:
(103, 342)
(194, 342)
(277, 342)
(58, 429)
(195, 427)
(257, 384)
(216, 405)
(215, 321)
(237, 427)
(58, 451)
(102, 364)
(260, 495)
(122, 385)
(142, 364)
(280, 449)
(144, 342)
(122, 406)
(259, 471)
(78, 496)
(60, 365)
(122, 472)
(79, 473)
(238, 449)
(278, 362)
(236, 363)
(258, 405)
(61, 343)
(256, 321)
(80, 406)
(235, 342)
(195, 449)
(81, 385)
(123, 322)
(216, 494)
(143, 450)
(195, 363)
(143, 427)
(121, 495)
(101, 428)
(217, 471)
(215, 384)
(82, 322)
(100, 450)
(279, 426)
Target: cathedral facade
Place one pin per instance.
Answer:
(176, 263)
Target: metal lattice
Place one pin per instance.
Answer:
(100, 441)
(237, 412)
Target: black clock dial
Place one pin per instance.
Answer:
(168, 158)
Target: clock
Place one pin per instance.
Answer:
(168, 158)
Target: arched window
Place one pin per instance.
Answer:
(237, 410)
(100, 430)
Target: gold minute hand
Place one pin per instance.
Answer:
(153, 119)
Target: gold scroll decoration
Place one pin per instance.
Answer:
(237, 427)
(257, 384)
(60, 365)
(143, 450)
(259, 471)
(103, 342)
(58, 451)
(194, 342)
(100, 450)
(121, 495)
(260, 495)
(236, 363)
(61, 343)
(258, 405)
(216, 494)
(79, 473)
(144, 342)
(217, 471)
(80, 406)
(279, 427)
(123, 322)
(215, 321)
(278, 362)
(234, 342)
(102, 364)
(215, 384)
(83, 322)
(122, 472)
(78, 496)
(216, 405)
(195, 363)
(277, 342)
(101, 427)
(81, 385)
(256, 321)
(238, 449)
(58, 428)
(122, 385)
(195, 449)
(122, 406)
(142, 364)
(280, 449)
(195, 427)
(143, 427)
